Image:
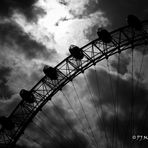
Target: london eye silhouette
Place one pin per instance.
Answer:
(80, 60)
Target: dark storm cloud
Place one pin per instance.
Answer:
(120, 63)
(77, 141)
(113, 87)
(7, 106)
(59, 118)
(20, 146)
(57, 129)
(4, 88)
(63, 2)
(63, 19)
(13, 37)
(91, 33)
(25, 7)
(116, 11)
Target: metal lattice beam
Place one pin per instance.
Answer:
(95, 51)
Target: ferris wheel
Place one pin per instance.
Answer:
(109, 45)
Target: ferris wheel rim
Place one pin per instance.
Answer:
(67, 80)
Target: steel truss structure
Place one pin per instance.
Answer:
(95, 51)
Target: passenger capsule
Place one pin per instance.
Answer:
(50, 72)
(76, 52)
(104, 35)
(27, 96)
(134, 22)
(6, 123)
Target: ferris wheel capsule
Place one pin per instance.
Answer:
(134, 22)
(104, 35)
(27, 96)
(6, 123)
(50, 72)
(76, 52)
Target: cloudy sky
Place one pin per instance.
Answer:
(38, 32)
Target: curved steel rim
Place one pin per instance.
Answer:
(95, 51)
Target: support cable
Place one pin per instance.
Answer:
(144, 117)
(117, 97)
(85, 114)
(100, 105)
(132, 95)
(58, 133)
(140, 69)
(47, 133)
(76, 115)
(91, 96)
(114, 104)
(96, 108)
(64, 118)
(30, 138)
